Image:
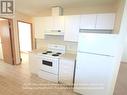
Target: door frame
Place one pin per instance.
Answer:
(11, 29)
(18, 36)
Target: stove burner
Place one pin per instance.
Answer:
(58, 53)
(55, 55)
(44, 53)
(48, 51)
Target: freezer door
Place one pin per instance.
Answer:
(94, 74)
(105, 44)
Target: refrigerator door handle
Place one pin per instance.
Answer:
(96, 54)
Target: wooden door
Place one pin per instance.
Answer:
(6, 41)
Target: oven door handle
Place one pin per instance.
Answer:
(47, 63)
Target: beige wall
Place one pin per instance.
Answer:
(119, 7)
(90, 9)
(119, 14)
(24, 18)
(124, 56)
(84, 10)
(123, 31)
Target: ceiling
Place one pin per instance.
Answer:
(34, 7)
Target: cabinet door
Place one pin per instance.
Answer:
(71, 28)
(39, 27)
(66, 71)
(48, 23)
(58, 23)
(94, 72)
(105, 21)
(88, 21)
(34, 62)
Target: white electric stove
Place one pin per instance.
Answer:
(49, 66)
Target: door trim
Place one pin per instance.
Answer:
(31, 35)
(11, 28)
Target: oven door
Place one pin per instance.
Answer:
(49, 65)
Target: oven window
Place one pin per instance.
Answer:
(48, 63)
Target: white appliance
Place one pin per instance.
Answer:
(96, 63)
(49, 66)
(55, 32)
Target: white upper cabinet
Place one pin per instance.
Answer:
(88, 21)
(38, 27)
(72, 24)
(54, 23)
(97, 21)
(58, 23)
(71, 28)
(48, 23)
(105, 21)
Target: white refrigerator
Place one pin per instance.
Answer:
(96, 64)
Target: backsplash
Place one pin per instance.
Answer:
(71, 47)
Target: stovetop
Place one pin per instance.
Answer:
(51, 53)
(54, 51)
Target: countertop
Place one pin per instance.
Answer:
(38, 50)
(69, 56)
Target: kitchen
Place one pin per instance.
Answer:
(52, 66)
(67, 45)
(58, 57)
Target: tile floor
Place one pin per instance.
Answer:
(17, 80)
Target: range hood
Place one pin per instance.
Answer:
(57, 13)
(54, 32)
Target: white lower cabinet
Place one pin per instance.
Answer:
(34, 62)
(66, 71)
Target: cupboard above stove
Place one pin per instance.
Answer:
(69, 26)
(48, 26)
